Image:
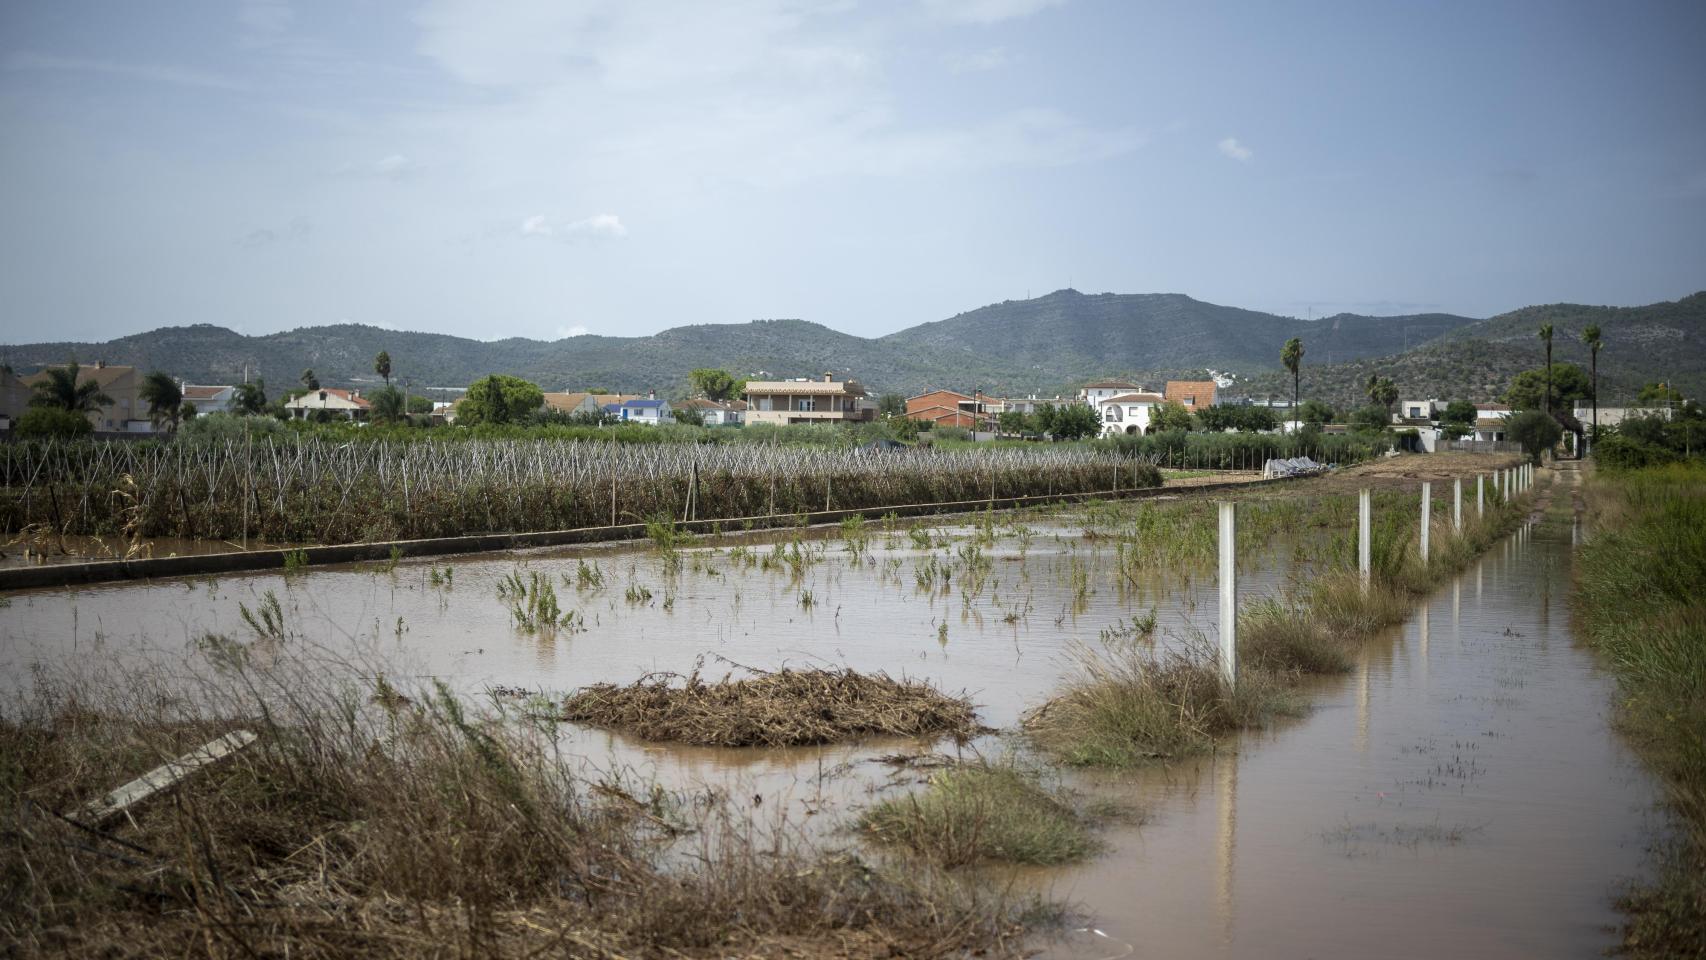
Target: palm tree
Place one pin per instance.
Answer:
(62, 390)
(382, 366)
(164, 397)
(1590, 336)
(1292, 356)
(1546, 335)
(309, 380)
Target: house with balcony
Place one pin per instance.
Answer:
(808, 401)
(1128, 413)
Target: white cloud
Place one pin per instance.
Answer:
(674, 101)
(986, 11)
(575, 331)
(992, 59)
(1232, 148)
(597, 226)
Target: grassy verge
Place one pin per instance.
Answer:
(784, 708)
(973, 812)
(1639, 602)
(410, 825)
(1125, 707)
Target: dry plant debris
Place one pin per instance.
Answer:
(784, 708)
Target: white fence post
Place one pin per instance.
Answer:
(1480, 497)
(1228, 595)
(1427, 514)
(1457, 505)
(1363, 563)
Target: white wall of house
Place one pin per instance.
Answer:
(1123, 417)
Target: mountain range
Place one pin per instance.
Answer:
(1044, 345)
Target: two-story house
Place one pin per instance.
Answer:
(807, 401)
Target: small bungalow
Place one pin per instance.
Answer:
(716, 413)
(334, 402)
(211, 399)
(1490, 421)
(649, 411)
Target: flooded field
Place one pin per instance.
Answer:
(1459, 791)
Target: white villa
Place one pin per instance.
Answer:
(1128, 412)
(339, 403)
(1095, 392)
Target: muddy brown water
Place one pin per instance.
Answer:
(1460, 793)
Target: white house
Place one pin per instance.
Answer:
(1490, 421)
(1128, 412)
(1094, 393)
(1032, 403)
(211, 399)
(1413, 410)
(651, 411)
(338, 403)
(717, 414)
(1612, 416)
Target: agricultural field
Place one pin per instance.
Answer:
(1000, 732)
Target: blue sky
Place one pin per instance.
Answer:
(545, 167)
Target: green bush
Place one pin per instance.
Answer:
(52, 422)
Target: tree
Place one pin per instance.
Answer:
(62, 391)
(691, 416)
(1075, 421)
(382, 366)
(1382, 391)
(891, 405)
(309, 380)
(1569, 383)
(1292, 356)
(714, 384)
(1013, 422)
(164, 397)
(1373, 418)
(1316, 412)
(499, 398)
(1652, 395)
(1460, 411)
(1535, 430)
(42, 421)
(1242, 417)
(187, 411)
(1546, 335)
(1591, 337)
(419, 404)
(386, 405)
(250, 398)
(1171, 415)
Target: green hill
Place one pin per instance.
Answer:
(1043, 345)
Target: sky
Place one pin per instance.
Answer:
(549, 168)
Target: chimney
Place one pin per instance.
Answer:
(829, 378)
(651, 394)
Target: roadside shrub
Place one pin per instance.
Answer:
(43, 422)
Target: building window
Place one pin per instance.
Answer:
(807, 404)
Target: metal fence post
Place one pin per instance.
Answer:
(1457, 505)
(1228, 595)
(1479, 496)
(1363, 553)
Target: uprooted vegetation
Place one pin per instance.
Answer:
(975, 812)
(418, 827)
(784, 708)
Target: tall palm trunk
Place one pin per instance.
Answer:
(1548, 377)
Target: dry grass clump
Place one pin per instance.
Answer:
(1125, 708)
(784, 708)
(417, 830)
(1288, 639)
(975, 812)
